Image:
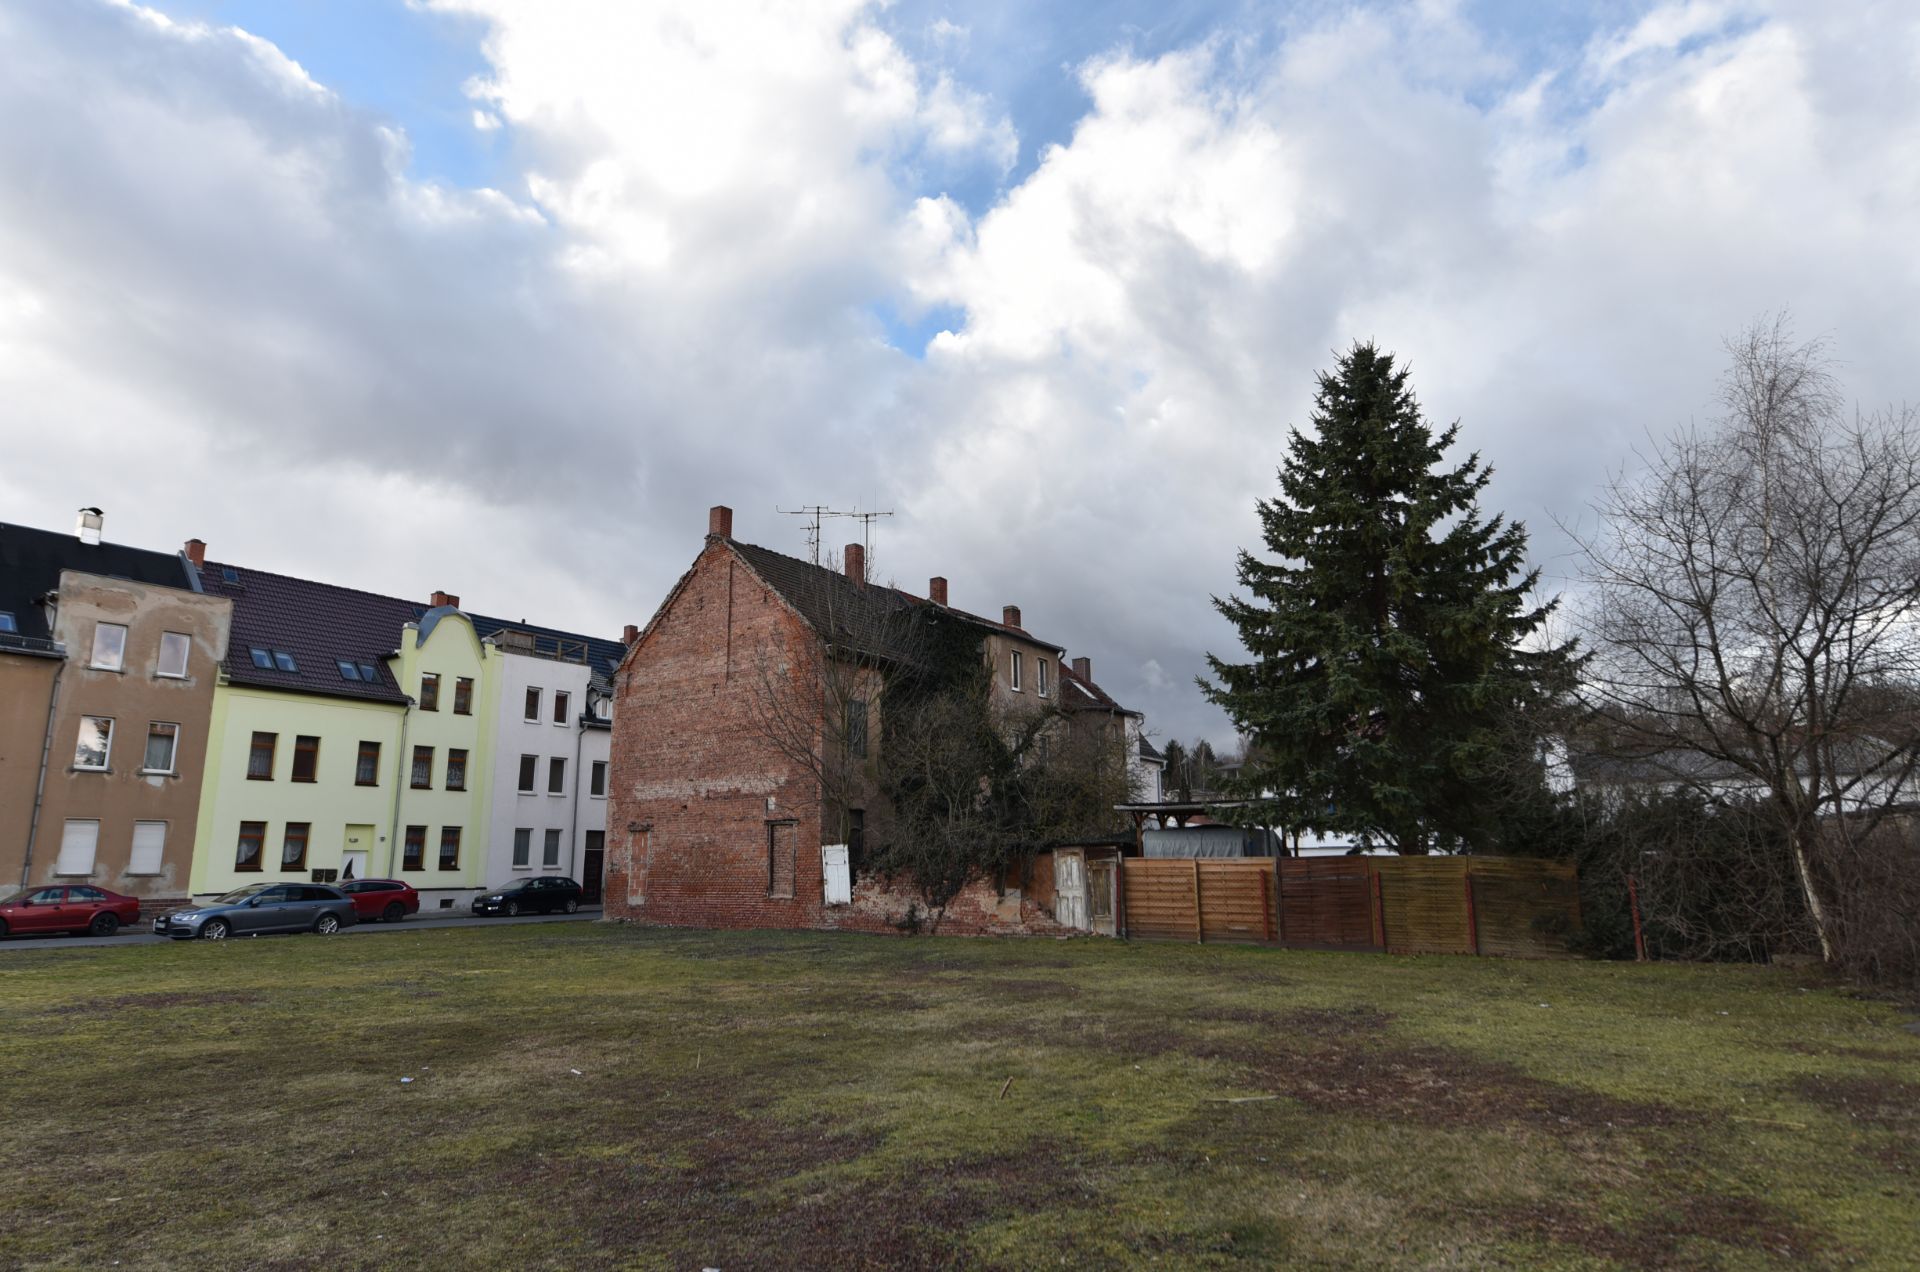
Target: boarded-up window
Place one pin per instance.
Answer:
(782, 842)
(149, 847)
(78, 840)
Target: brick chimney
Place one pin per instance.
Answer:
(1083, 668)
(196, 551)
(1010, 615)
(446, 598)
(937, 590)
(629, 635)
(856, 563)
(719, 522)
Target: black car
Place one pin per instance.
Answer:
(544, 895)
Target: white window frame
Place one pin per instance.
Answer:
(1013, 671)
(599, 768)
(184, 645)
(562, 700)
(539, 696)
(1040, 676)
(550, 850)
(557, 764)
(119, 655)
(64, 864)
(523, 848)
(157, 850)
(173, 756)
(106, 760)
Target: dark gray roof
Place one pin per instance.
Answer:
(1150, 752)
(31, 561)
(869, 618)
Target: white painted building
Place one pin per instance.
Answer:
(549, 789)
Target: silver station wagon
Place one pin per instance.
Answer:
(260, 908)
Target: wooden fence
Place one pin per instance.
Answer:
(1509, 906)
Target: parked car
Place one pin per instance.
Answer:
(263, 907)
(73, 907)
(545, 894)
(390, 900)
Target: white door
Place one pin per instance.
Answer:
(1070, 889)
(833, 867)
(356, 852)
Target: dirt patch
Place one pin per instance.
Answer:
(1669, 1239)
(1877, 1101)
(125, 1002)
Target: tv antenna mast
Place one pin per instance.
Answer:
(866, 520)
(815, 514)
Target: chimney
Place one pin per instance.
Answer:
(89, 525)
(937, 590)
(196, 550)
(719, 522)
(1010, 615)
(1083, 668)
(446, 598)
(631, 634)
(856, 563)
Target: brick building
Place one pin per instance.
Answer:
(713, 820)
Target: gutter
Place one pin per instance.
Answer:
(573, 821)
(393, 822)
(40, 784)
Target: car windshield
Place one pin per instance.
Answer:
(240, 894)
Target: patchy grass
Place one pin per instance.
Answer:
(805, 1100)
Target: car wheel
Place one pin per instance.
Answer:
(512, 909)
(395, 912)
(327, 924)
(215, 930)
(3, 929)
(104, 924)
(572, 905)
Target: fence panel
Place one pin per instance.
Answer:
(1159, 899)
(1236, 899)
(1326, 902)
(1525, 909)
(1424, 904)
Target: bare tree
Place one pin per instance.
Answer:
(1753, 611)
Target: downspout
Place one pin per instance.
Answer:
(573, 821)
(399, 771)
(40, 784)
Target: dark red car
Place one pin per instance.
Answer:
(388, 899)
(76, 908)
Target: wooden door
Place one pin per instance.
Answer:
(1100, 897)
(1070, 889)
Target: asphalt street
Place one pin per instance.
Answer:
(141, 935)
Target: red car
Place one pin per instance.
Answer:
(388, 899)
(72, 908)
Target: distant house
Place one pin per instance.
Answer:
(108, 658)
(719, 822)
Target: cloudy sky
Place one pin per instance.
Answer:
(498, 296)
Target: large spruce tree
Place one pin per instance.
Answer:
(1389, 640)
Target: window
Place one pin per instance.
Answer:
(522, 848)
(449, 847)
(261, 659)
(85, 894)
(550, 851)
(348, 671)
(368, 674)
(163, 740)
(413, 857)
(463, 696)
(6, 622)
(560, 701)
(1013, 672)
(173, 655)
(782, 843)
(284, 661)
(149, 846)
(109, 646)
(533, 706)
(366, 770)
(422, 768)
(1040, 676)
(857, 728)
(556, 776)
(78, 839)
(94, 745)
(456, 769)
(529, 768)
(293, 850)
(260, 758)
(253, 840)
(429, 691)
(306, 758)
(598, 782)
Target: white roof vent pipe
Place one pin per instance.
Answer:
(88, 528)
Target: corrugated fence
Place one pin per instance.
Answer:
(1510, 906)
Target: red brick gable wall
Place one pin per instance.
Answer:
(694, 786)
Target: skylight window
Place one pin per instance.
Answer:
(230, 574)
(284, 660)
(347, 670)
(368, 674)
(6, 622)
(262, 659)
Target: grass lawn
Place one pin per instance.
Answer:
(591, 1096)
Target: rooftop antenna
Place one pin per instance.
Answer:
(815, 514)
(866, 520)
